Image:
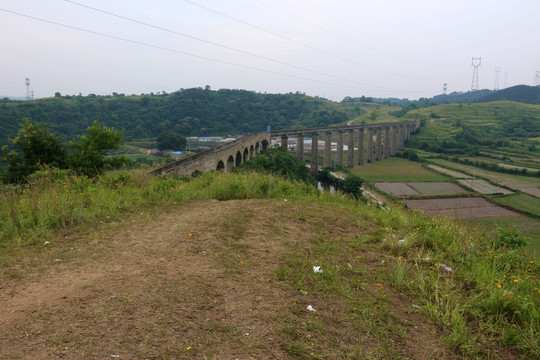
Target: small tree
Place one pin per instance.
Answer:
(353, 186)
(278, 161)
(169, 140)
(34, 146)
(90, 154)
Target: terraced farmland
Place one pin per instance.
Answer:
(449, 172)
(420, 188)
(483, 187)
(460, 208)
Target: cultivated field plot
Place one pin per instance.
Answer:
(420, 188)
(449, 172)
(483, 187)
(493, 176)
(437, 188)
(531, 189)
(508, 166)
(460, 208)
(396, 188)
(396, 169)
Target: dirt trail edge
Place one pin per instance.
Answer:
(201, 281)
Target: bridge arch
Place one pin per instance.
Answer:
(238, 158)
(265, 144)
(220, 166)
(246, 155)
(251, 152)
(257, 148)
(230, 163)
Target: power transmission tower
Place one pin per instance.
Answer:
(497, 71)
(476, 62)
(445, 87)
(29, 93)
(537, 79)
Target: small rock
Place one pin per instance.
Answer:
(310, 308)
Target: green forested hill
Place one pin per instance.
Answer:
(459, 127)
(192, 112)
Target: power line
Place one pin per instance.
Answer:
(301, 43)
(338, 35)
(190, 54)
(221, 45)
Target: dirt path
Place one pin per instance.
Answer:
(147, 289)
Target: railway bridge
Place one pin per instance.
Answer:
(389, 138)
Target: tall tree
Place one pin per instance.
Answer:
(170, 140)
(90, 154)
(34, 146)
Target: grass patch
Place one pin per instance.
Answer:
(55, 203)
(396, 169)
(493, 176)
(527, 226)
(523, 202)
(481, 289)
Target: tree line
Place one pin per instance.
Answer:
(35, 147)
(190, 112)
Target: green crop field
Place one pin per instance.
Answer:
(396, 169)
(500, 178)
(523, 202)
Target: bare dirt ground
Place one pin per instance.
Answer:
(397, 188)
(531, 189)
(460, 208)
(147, 289)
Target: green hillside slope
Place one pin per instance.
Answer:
(192, 112)
(459, 128)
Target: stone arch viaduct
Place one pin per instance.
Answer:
(389, 138)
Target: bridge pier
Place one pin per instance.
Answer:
(350, 149)
(361, 147)
(379, 144)
(394, 141)
(314, 154)
(370, 146)
(339, 153)
(284, 142)
(225, 157)
(386, 142)
(300, 147)
(327, 149)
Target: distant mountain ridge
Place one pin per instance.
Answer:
(519, 93)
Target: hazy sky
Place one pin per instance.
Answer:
(328, 48)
